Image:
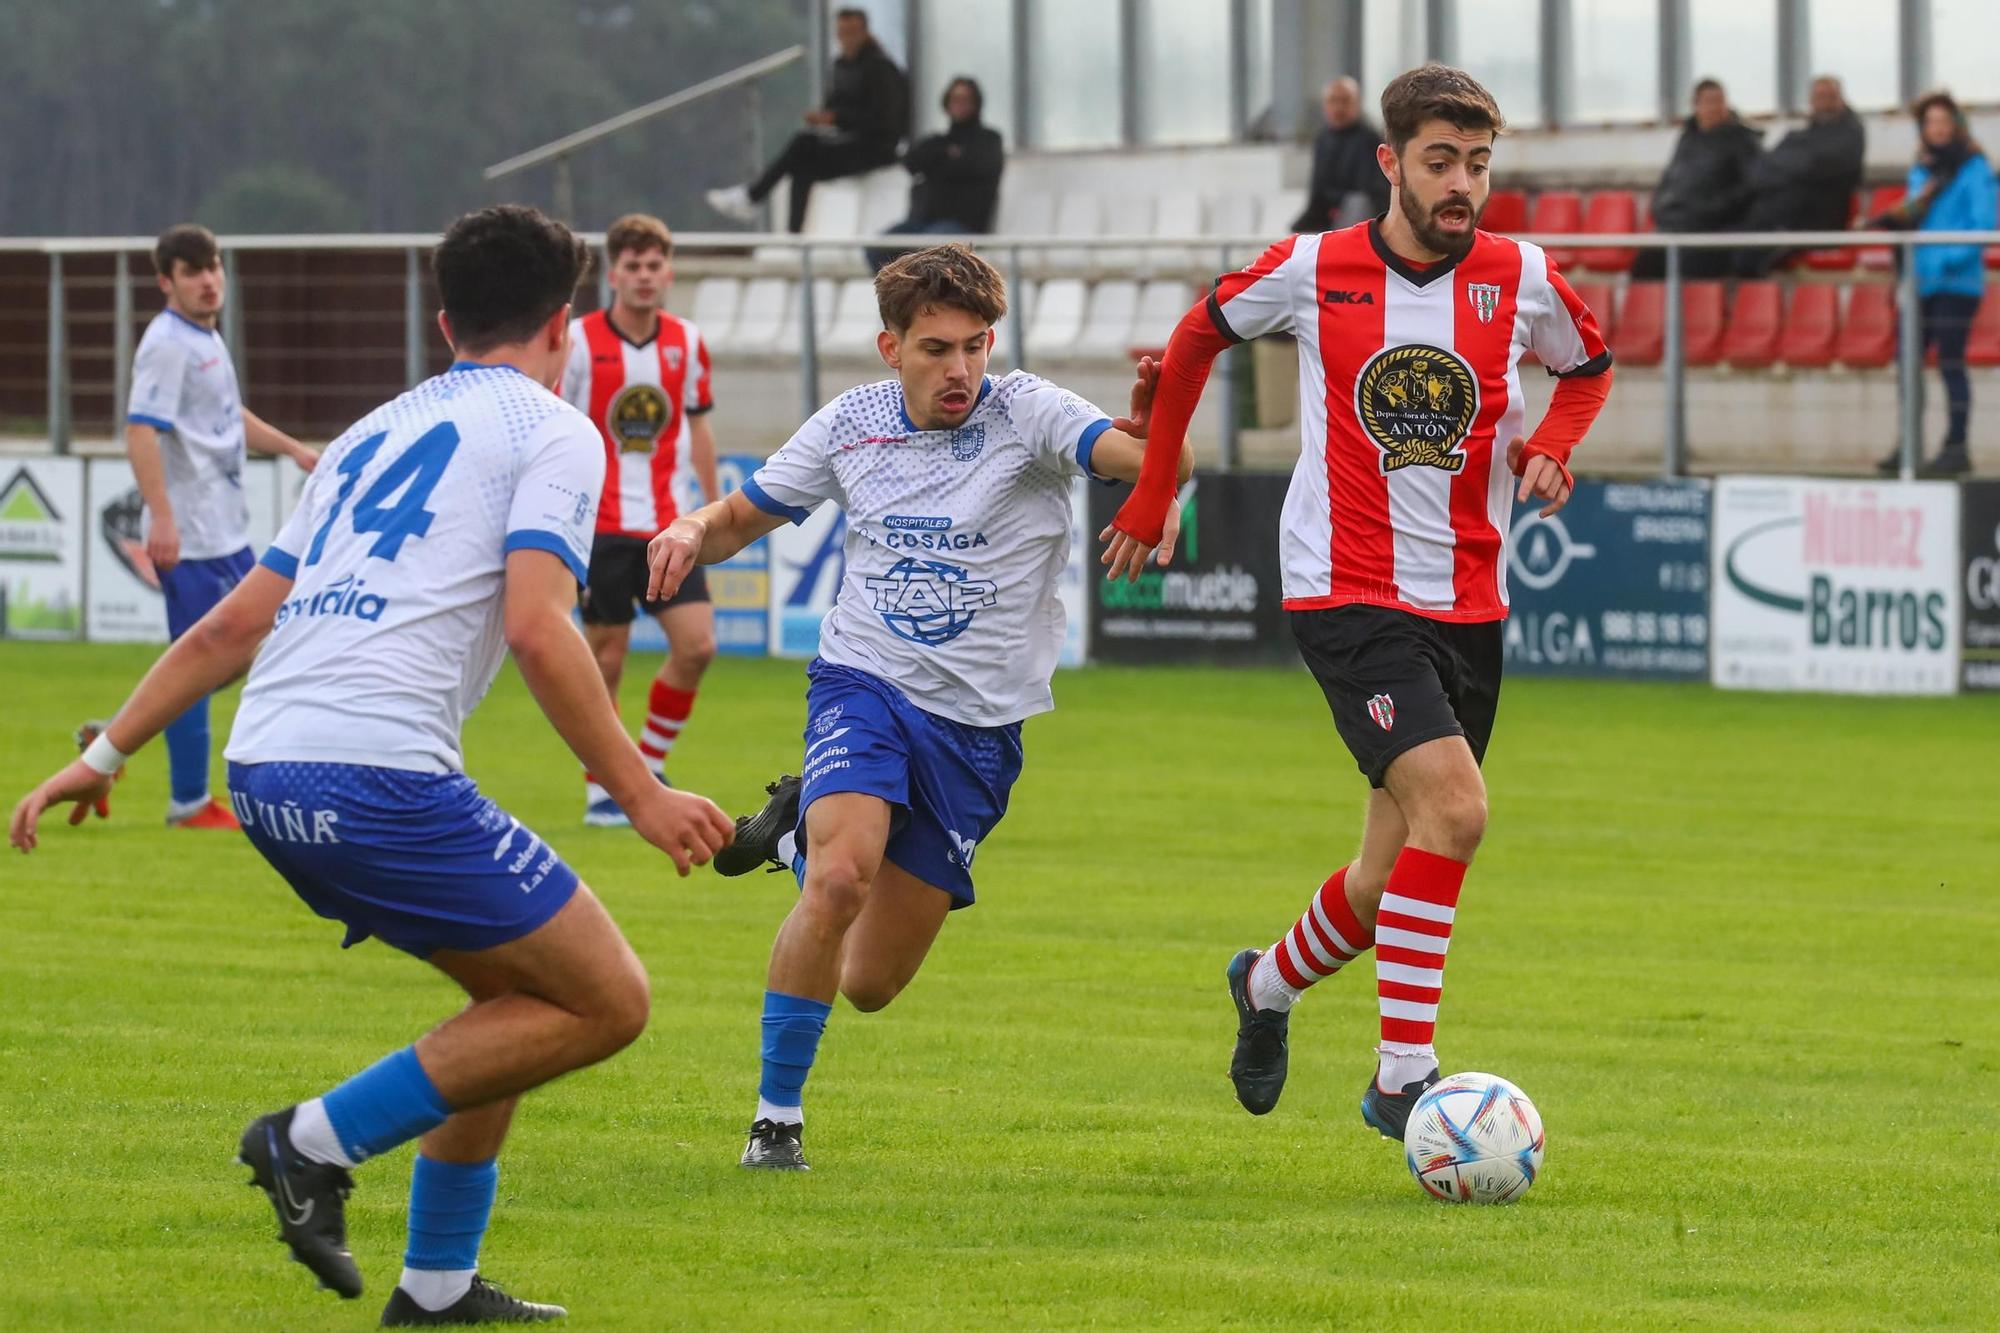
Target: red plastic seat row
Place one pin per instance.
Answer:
(1766, 327)
(1565, 212)
(1640, 338)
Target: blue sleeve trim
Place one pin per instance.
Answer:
(770, 504)
(1086, 442)
(157, 423)
(534, 539)
(281, 562)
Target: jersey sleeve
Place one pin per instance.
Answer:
(555, 495)
(1061, 427)
(288, 549)
(799, 477)
(575, 386)
(701, 388)
(159, 372)
(1564, 333)
(1262, 298)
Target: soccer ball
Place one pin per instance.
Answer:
(1474, 1138)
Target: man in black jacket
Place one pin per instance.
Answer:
(866, 115)
(1807, 182)
(955, 176)
(1347, 182)
(1706, 186)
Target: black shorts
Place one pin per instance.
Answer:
(1395, 679)
(618, 582)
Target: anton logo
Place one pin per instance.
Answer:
(1335, 297)
(1840, 611)
(928, 601)
(1541, 552)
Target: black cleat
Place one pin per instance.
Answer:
(757, 835)
(774, 1146)
(1262, 1056)
(1388, 1113)
(483, 1304)
(310, 1199)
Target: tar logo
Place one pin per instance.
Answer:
(1348, 298)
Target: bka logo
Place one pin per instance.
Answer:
(1383, 709)
(1541, 552)
(1348, 298)
(638, 416)
(967, 442)
(1485, 299)
(929, 601)
(1417, 403)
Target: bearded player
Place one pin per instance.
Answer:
(642, 376)
(1393, 536)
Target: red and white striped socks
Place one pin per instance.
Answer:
(667, 712)
(1412, 933)
(1326, 938)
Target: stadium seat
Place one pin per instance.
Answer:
(1640, 336)
(1057, 319)
(885, 199)
(714, 309)
(1020, 305)
(1277, 210)
(1704, 308)
(1812, 320)
(1867, 335)
(1557, 212)
(855, 320)
(785, 336)
(1176, 214)
(1839, 259)
(1750, 339)
(834, 209)
(1108, 320)
(1506, 211)
(757, 317)
(1879, 258)
(1162, 302)
(1025, 213)
(1984, 347)
(1124, 215)
(1079, 215)
(1610, 211)
(1233, 213)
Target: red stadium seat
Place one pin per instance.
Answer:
(1556, 213)
(1750, 341)
(1639, 337)
(1984, 347)
(1506, 211)
(1840, 259)
(1879, 258)
(1703, 321)
(1610, 211)
(1868, 334)
(1811, 322)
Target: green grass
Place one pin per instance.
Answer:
(1740, 949)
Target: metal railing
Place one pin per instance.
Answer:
(1018, 256)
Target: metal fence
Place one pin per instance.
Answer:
(369, 302)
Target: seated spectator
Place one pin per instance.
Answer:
(1347, 181)
(866, 115)
(955, 176)
(1706, 186)
(1807, 182)
(1951, 188)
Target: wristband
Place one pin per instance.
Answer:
(104, 757)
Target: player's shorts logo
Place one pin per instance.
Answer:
(967, 442)
(1417, 402)
(1485, 299)
(929, 601)
(1383, 709)
(638, 416)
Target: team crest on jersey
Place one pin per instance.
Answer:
(672, 355)
(1383, 709)
(928, 601)
(1485, 298)
(638, 416)
(1417, 402)
(968, 441)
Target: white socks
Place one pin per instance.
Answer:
(1268, 989)
(1402, 1065)
(435, 1290)
(783, 1115)
(313, 1136)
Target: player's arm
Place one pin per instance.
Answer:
(710, 534)
(216, 651)
(163, 539)
(557, 665)
(702, 438)
(1565, 337)
(261, 437)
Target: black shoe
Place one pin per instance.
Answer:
(774, 1146)
(1261, 1059)
(1388, 1113)
(1951, 461)
(757, 835)
(483, 1304)
(310, 1199)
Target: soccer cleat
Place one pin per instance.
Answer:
(483, 1303)
(604, 813)
(213, 815)
(310, 1199)
(774, 1146)
(1388, 1113)
(757, 835)
(1262, 1055)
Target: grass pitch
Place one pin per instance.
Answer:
(1740, 950)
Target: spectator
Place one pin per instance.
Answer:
(955, 183)
(1347, 181)
(1807, 182)
(1706, 185)
(1951, 188)
(866, 115)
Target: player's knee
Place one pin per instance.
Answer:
(869, 994)
(691, 655)
(835, 888)
(1456, 823)
(623, 1010)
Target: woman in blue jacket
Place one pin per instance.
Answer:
(1951, 188)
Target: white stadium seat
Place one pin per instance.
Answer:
(1020, 305)
(856, 321)
(1277, 210)
(1107, 321)
(1057, 319)
(1162, 302)
(760, 316)
(714, 309)
(1177, 214)
(885, 199)
(1078, 215)
(1025, 212)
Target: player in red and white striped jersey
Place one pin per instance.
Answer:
(642, 375)
(1410, 331)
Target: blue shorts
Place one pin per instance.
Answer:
(948, 781)
(420, 860)
(193, 587)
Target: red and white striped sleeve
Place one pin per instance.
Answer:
(1563, 332)
(1261, 298)
(701, 393)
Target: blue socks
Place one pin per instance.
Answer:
(389, 1103)
(792, 1028)
(450, 1203)
(187, 755)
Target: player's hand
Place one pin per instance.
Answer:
(669, 557)
(307, 458)
(689, 828)
(1541, 477)
(77, 782)
(1126, 554)
(163, 543)
(1141, 414)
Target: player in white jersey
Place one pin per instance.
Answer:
(447, 527)
(956, 488)
(186, 431)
